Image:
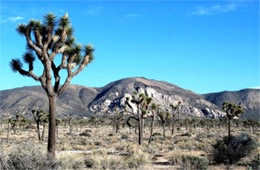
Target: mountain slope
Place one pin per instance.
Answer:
(163, 93)
(248, 98)
(74, 100)
(81, 100)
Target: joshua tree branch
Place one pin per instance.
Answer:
(31, 43)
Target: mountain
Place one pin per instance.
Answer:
(249, 99)
(163, 93)
(74, 100)
(82, 101)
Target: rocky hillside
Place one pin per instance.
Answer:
(81, 100)
(248, 98)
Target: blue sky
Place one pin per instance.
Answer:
(204, 46)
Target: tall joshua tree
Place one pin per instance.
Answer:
(142, 102)
(232, 111)
(47, 40)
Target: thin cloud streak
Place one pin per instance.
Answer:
(214, 9)
(11, 19)
(132, 15)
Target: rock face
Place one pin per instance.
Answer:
(82, 101)
(162, 93)
(249, 99)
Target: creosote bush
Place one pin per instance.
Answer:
(230, 151)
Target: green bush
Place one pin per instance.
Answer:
(230, 151)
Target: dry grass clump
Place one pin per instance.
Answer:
(71, 162)
(26, 156)
(136, 157)
(187, 161)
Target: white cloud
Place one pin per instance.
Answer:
(214, 9)
(132, 15)
(11, 19)
(14, 19)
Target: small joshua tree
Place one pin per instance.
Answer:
(47, 40)
(116, 117)
(232, 111)
(175, 110)
(164, 117)
(142, 102)
(40, 117)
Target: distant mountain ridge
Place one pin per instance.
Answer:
(82, 101)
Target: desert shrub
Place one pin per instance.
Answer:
(136, 157)
(110, 134)
(98, 143)
(90, 162)
(230, 151)
(85, 133)
(157, 134)
(70, 162)
(4, 160)
(88, 130)
(110, 163)
(255, 163)
(189, 162)
(174, 157)
(30, 156)
(124, 136)
(186, 134)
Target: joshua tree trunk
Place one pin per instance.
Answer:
(163, 123)
(152, 126)
(173, 128)
(117, 127)
(52, 126)
(38, 130)
(140, 127)
(229, 133)
(43, 131)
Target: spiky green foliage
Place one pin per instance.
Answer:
(232, 110)
(49, 20)
(21, 29)
(16, 65)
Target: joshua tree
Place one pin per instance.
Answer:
(232, 111)
(175, 110)
(116, 118)
(164, 117)
(40, 117)
(154, 107)
(47, 40)
(142, 102)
